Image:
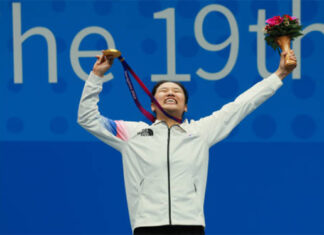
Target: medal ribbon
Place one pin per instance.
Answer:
(147, 114)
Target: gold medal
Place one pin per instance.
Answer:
(112, 52)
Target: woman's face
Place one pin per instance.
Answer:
(172, 99)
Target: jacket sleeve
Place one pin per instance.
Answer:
(218, 125)
(113, 133)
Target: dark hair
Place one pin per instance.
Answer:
(156, 86)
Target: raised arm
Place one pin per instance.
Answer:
(218, 125)
(109, 131)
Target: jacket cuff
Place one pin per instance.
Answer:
(94, 79)
(274, 81)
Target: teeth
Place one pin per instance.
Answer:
(170, 101)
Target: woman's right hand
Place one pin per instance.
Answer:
(102, 65)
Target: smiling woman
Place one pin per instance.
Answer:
(173, 97)
(165, 164)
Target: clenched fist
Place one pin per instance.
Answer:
(102, 65)
(284, 69)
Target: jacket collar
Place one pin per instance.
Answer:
(183, 126)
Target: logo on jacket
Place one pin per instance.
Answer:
(146, 132)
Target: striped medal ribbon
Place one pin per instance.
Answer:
(127, 70)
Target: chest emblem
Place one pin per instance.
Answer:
(146, 132)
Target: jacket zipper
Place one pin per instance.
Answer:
(168, 162)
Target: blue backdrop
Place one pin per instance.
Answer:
(266, 177)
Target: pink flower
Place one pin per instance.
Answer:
(289, 17)
(276, 20)
(267, 28)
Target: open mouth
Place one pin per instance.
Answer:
(170, 101)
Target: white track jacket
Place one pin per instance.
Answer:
(165, 169)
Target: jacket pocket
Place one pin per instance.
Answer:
(140, 186)
(151, 200)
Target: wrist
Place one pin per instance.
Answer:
(281, 74)
(98, 73)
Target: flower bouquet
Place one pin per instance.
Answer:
(279, 32)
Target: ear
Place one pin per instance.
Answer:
(152, 107)
(186, 108)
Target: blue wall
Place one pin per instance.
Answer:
(266, 177)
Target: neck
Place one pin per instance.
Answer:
(169, 121)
